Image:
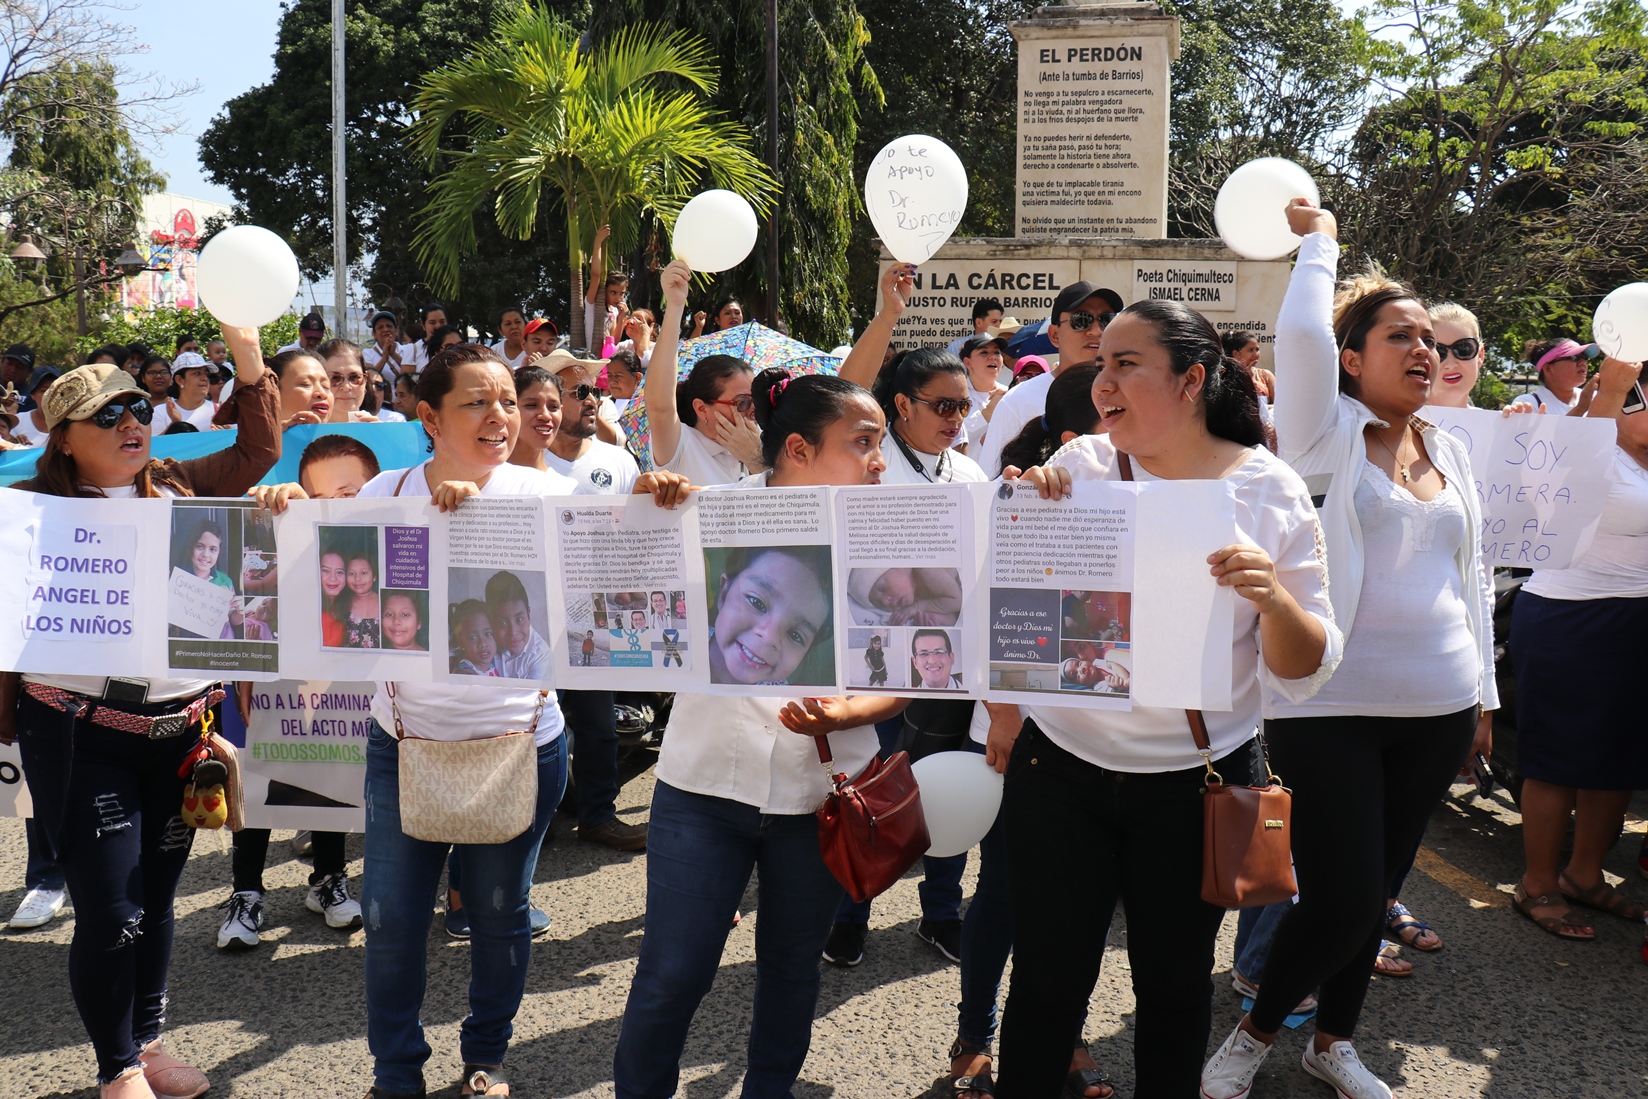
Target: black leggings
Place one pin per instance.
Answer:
(1363, 790)
(252, 850)
(112, 803)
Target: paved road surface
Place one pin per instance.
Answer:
(1502, 1011)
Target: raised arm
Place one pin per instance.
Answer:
(658, 384)
(598, 268)
(256, 402)
(247, 352)
(1307, 359)
(864, 363)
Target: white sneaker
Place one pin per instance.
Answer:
(1229, 1074)
(240, 926)
(330, 897)
(1341, 1067)
(40, 906)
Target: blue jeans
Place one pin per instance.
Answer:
(940, 888)
(701, 851)
(1255, 928)
(401, 875)
(42, 870)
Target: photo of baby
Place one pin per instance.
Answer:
(1098, 667)
(904, 597)
(1095, 616)
(770, 615)
(496, 623)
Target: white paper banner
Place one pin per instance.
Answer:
(14, 792)
(305, 757)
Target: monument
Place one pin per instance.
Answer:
(1093, 94)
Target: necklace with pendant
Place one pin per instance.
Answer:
(1401, 466)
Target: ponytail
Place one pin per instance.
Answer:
(908, 371)
(1228, 393)
(803, 406)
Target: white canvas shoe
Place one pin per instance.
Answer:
(1340, 1067)
(1229, 1074)
(39, 907)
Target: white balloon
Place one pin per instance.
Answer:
(1250, 211)
(960, 795)
(916, 192)
(247, 276)
(714, 232)
(1620, 326)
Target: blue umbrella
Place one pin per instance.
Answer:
(1031, 340)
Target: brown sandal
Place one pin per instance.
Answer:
(1565, 926)
(1602, 897)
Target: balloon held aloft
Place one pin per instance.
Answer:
(715, 231)
(960, 795)
(916, 192)
(247, 276)
(1250, 212)
(1620, 327)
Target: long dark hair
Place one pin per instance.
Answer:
(712, 323)
(908, 371)
(1228, 394)
(1069, 408)
(803, 406)
(55, 473)
(704, 381)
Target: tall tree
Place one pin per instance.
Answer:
(823, 72)
(67, 123)
(271, 147)
(538, 116)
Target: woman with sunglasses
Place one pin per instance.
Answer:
(1459, 350)
(925, 397)
(693, 420)
(1582, 752)
(99, 752)
(1561, 365)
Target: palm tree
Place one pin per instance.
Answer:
(614, 133)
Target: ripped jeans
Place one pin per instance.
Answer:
(397, 895)
(111, 803)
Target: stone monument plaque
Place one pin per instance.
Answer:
(1092, 119)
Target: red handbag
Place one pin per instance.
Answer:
(871, 829)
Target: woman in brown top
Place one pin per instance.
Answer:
(117, 826)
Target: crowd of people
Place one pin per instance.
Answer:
(1336, 475)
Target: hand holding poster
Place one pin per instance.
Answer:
(1542, 481)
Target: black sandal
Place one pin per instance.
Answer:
(1077, 1083)
(979, 1083)
(481, 1079)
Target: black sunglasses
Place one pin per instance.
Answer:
(1463, 350)
(584, 392)
(109, 415)
(1082, 320)
(381, 387)
(947, 406)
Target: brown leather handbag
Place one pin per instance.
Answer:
(871, 829)
(1247, 835)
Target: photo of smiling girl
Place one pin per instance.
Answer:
(771, 609)
(405, 621)
(361, 575)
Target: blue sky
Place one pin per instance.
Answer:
(226, 45)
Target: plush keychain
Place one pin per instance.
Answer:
(205, 805)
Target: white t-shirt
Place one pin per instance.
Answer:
(602, 469)
(445, 711)
(201, 417)
(36, 436)
(516, 362)
(950, 466)
(608, 413)
(702, 462)
(160, 690)
(1273, 512)
(1024, 403)
(975, 426)
(387, 415)
(1615, 565)
(1540, 397)
(377, 358)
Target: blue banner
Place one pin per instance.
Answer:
(396, 445)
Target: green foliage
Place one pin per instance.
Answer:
(47, 327)
(59, 124)
(162, 329)
(611, 135)
(271, 147)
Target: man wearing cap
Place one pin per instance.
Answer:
(311, 334)
(1080, 314)
(986, 312)
(539, 337)
(15, 367)
(384, 352)
(1561, 367)
(982, 356)
(31, 418)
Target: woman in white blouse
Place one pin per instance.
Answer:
(738, 787)
(1124, 788)
(1371, 754)
(692, 420)
(466, 400)
(925, 397)
(1580, 746)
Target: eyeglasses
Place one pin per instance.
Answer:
(744, 403)
(923, 654)
(110, 414)
(381, 387)
(1463, 350)
(584, 392)
(1082, 320)
(347, 379)
(947, 406)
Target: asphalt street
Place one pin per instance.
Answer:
(1503, 1010)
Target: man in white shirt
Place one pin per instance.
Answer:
(512, 326)
(982, 356)
(986, 314)
(311, 334)
(1080, 314)
(598, 467)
